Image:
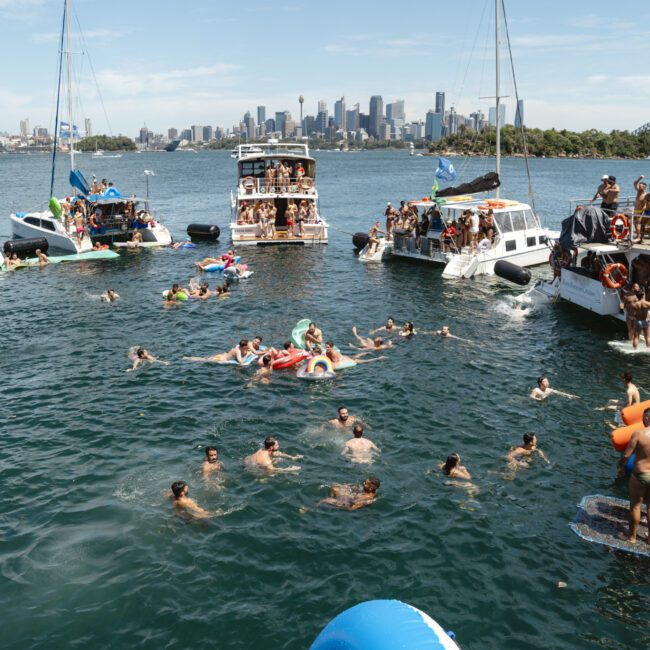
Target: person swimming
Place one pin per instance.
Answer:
(389, 327)
(408, 330)
(360, 449)
(543, 390)
(211, 463)
(265, 458)
(518, 454)
(182, 503)
(238, 354)
(342, 361)
(348, 496)
(453, 469)
(343, 419)
(142, 356)
(370, 344)
(110, 295)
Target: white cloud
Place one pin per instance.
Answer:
(597, 78)
(92, 35)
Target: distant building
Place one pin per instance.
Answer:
(395, 111)
(197, 133)
(249, 125)
(452, 121)
(218, 133)
(88, 127)
(289, 126)
(144, 135)
(309, 125)
(261, 115)
(519, 115)
(24, 128)
(187, 134)
(493, 115)
(417, 130)
(364, 122)
(172, 134)
(207, 133)
(384, 131)
(440, 103)
(279, 121)
(340, 114)
(269, 125)
(322, 119)
(433, 126)
(376, 115)
(352, 118)
(40, 132)
(478, 120)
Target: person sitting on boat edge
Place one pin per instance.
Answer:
(97, 225)
(373, 240)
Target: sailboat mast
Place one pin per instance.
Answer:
(68, 55)
(498, 89)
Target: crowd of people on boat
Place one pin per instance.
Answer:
(284, 176)
(264, 214)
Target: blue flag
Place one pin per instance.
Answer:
(445, 170)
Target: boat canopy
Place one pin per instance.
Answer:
(588, 224)
(485, 183)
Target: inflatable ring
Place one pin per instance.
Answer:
(288, 360)
(319, 361)
(606, 275)
(634, 413)
(383, 625)
(622, 221)
(55, 207)
(248, 184)
(180, 295)
(621, 437)
(307, 183)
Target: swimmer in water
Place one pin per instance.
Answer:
(255, 347)
(265, 458)
(453, 469)
(340, 360)
(543, 390)
(445, 333)
(202, 291)
(632, 395)
(313, 336)
(639, 485)
(183, 503)
(408, 330)
(264, 374)
(211, 462)
(370, 344)
(348, 496)
(360, 449)
(238, 354)
(43, 259)
(518, 455)
(389, 327)
(110, 295)
(343, 420)
(142, 356)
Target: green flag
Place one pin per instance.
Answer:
(434, 189)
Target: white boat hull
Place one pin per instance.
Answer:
(251, 235)
(383, 250)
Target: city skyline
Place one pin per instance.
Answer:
(187, 75)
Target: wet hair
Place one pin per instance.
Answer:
(374, 481)
(627, 377)
(140, 353)
(178, 488)
(330, 343)
(175, 287)
(529, 437)
(341, 408)
(269, 442)
(453, 460)
(390, 318)
(408, 326)
(358, 430)
(208, 450)
(310, 324)
(259, 338)
(540, 379)
(243, 342)
(379, 341)
(287, 345)
(266, 359)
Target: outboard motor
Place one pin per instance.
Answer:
(360, 239)
(203, 231)
(26, 247)
(512, 272)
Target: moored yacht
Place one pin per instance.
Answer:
(275, 201)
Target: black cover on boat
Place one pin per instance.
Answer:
(587, 225)
(485, 183)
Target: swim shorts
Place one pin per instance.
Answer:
(642, 324)
(643, 477)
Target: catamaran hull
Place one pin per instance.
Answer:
(61, 241)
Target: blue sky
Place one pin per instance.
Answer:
(580, 64)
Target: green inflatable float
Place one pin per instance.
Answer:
(55, 207)
(298, 333)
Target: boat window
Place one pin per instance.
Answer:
(253, 168)
(518, 221)
(33, 221)
(530, 241)
(503, 222)
(542, 239)
(511, 244)
(48, 225)
(531, 219)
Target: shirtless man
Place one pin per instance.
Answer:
(43, 259)
(110, 295)
(338, 360)
(610, 197)
(291, 213)
(639, 485)
(272, 213)
(600, 190)
(360, 449)
(211, 463)
(255, 347)
(183, 503)
(373, 240)
(344, 419)
(639, 207)
(370, 344)
(79, 225)
(313, 336)
(639, 310)
(390, 215)
(264, 374)
(389, 327)
(517, 454)
(543, 390)
(632, 395)
(352, 497)
(142, 356)
(445, 333)
(264, 458)
(628, 298)
(238, 354)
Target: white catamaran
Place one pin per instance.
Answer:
(106, 216)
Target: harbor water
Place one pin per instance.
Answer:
(92, 555)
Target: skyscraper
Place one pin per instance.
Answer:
(453, 121)
(261, 114)
(493, 115)
(88, 127)
(376, 115)
(433, 126)
(172, 134)
(519, 115)
(24, 128)
(321, 118)
(440, 102)
(279, 121)
(249, 123)
(340, 117)
(395, 110)
(197, 133)
(207, 133)
(144, 135)
(352, 118)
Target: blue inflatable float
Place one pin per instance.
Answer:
(383, 625)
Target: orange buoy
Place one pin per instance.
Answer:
(634, 413)
(617, 268)
(621, 436)
(622, 221)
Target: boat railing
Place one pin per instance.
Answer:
(625, 204)
(252, 185)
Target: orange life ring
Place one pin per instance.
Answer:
(306, 183)
(606, 275)
(248, 183)
(625, 226)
